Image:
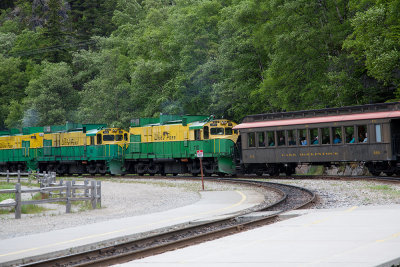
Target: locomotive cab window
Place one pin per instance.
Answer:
(91, 140)
(99, 139)
(206, 133)
(261, 139)
(197, 135)
(337, 135)
(217, 131)
(349, 131)
(251, 137)
(228, 131)
(119, 137)
(126, 137)
(108, 137)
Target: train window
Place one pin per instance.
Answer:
(91, 140)
(126, 137)
(314, 136)
(362, 133)
(108, 137)
(217, 131)
(271, 138)
(119, 137)
(206, 134)
(228, 131)
(337, 135)
(251, 139)
(261, 139)
(349, 131)
(325, 136)
(303, 137)
(197, 135)
(235, 131)
(292, 137)
(378, 133)
(281, 138)
(99, 139)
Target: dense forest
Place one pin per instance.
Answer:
(108, 61)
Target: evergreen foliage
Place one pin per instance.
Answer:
(108, 61)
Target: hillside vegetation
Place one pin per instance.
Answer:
(108, 61)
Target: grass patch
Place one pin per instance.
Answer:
(385, 189)
(316, 170)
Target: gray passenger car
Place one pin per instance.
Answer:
(278, 142)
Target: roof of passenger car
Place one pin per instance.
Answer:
(338, 118)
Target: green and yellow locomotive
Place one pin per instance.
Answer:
(164, 145)
(168, 145)
(67, 149)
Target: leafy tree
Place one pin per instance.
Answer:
(375, 43)
(51, 94)
(13, 81)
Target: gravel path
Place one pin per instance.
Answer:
(120, 198)
(132, 197)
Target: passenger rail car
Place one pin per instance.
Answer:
(278, 142)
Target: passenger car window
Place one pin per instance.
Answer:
(261, 139)
(292, 137)
(337, 135)
(326, 139)
(349, 131)
(314, 139)
(303, 137)
(362, 133)
(251, 139)
(271, 138)
(281, 138)
(378, 133)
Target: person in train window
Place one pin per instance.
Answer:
(291, 142)
(366, 138)
(281, 141)
(304, 142)
(352, 140)
(271, 143)
(337, 139)
(315, 142)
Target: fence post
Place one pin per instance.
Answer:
(73, 189)
(93, 195)
(8, 176)
(68, 195)
(19, 176)
(18, 203)
(98, 192)
(61, 191)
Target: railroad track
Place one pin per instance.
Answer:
(292, 197)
